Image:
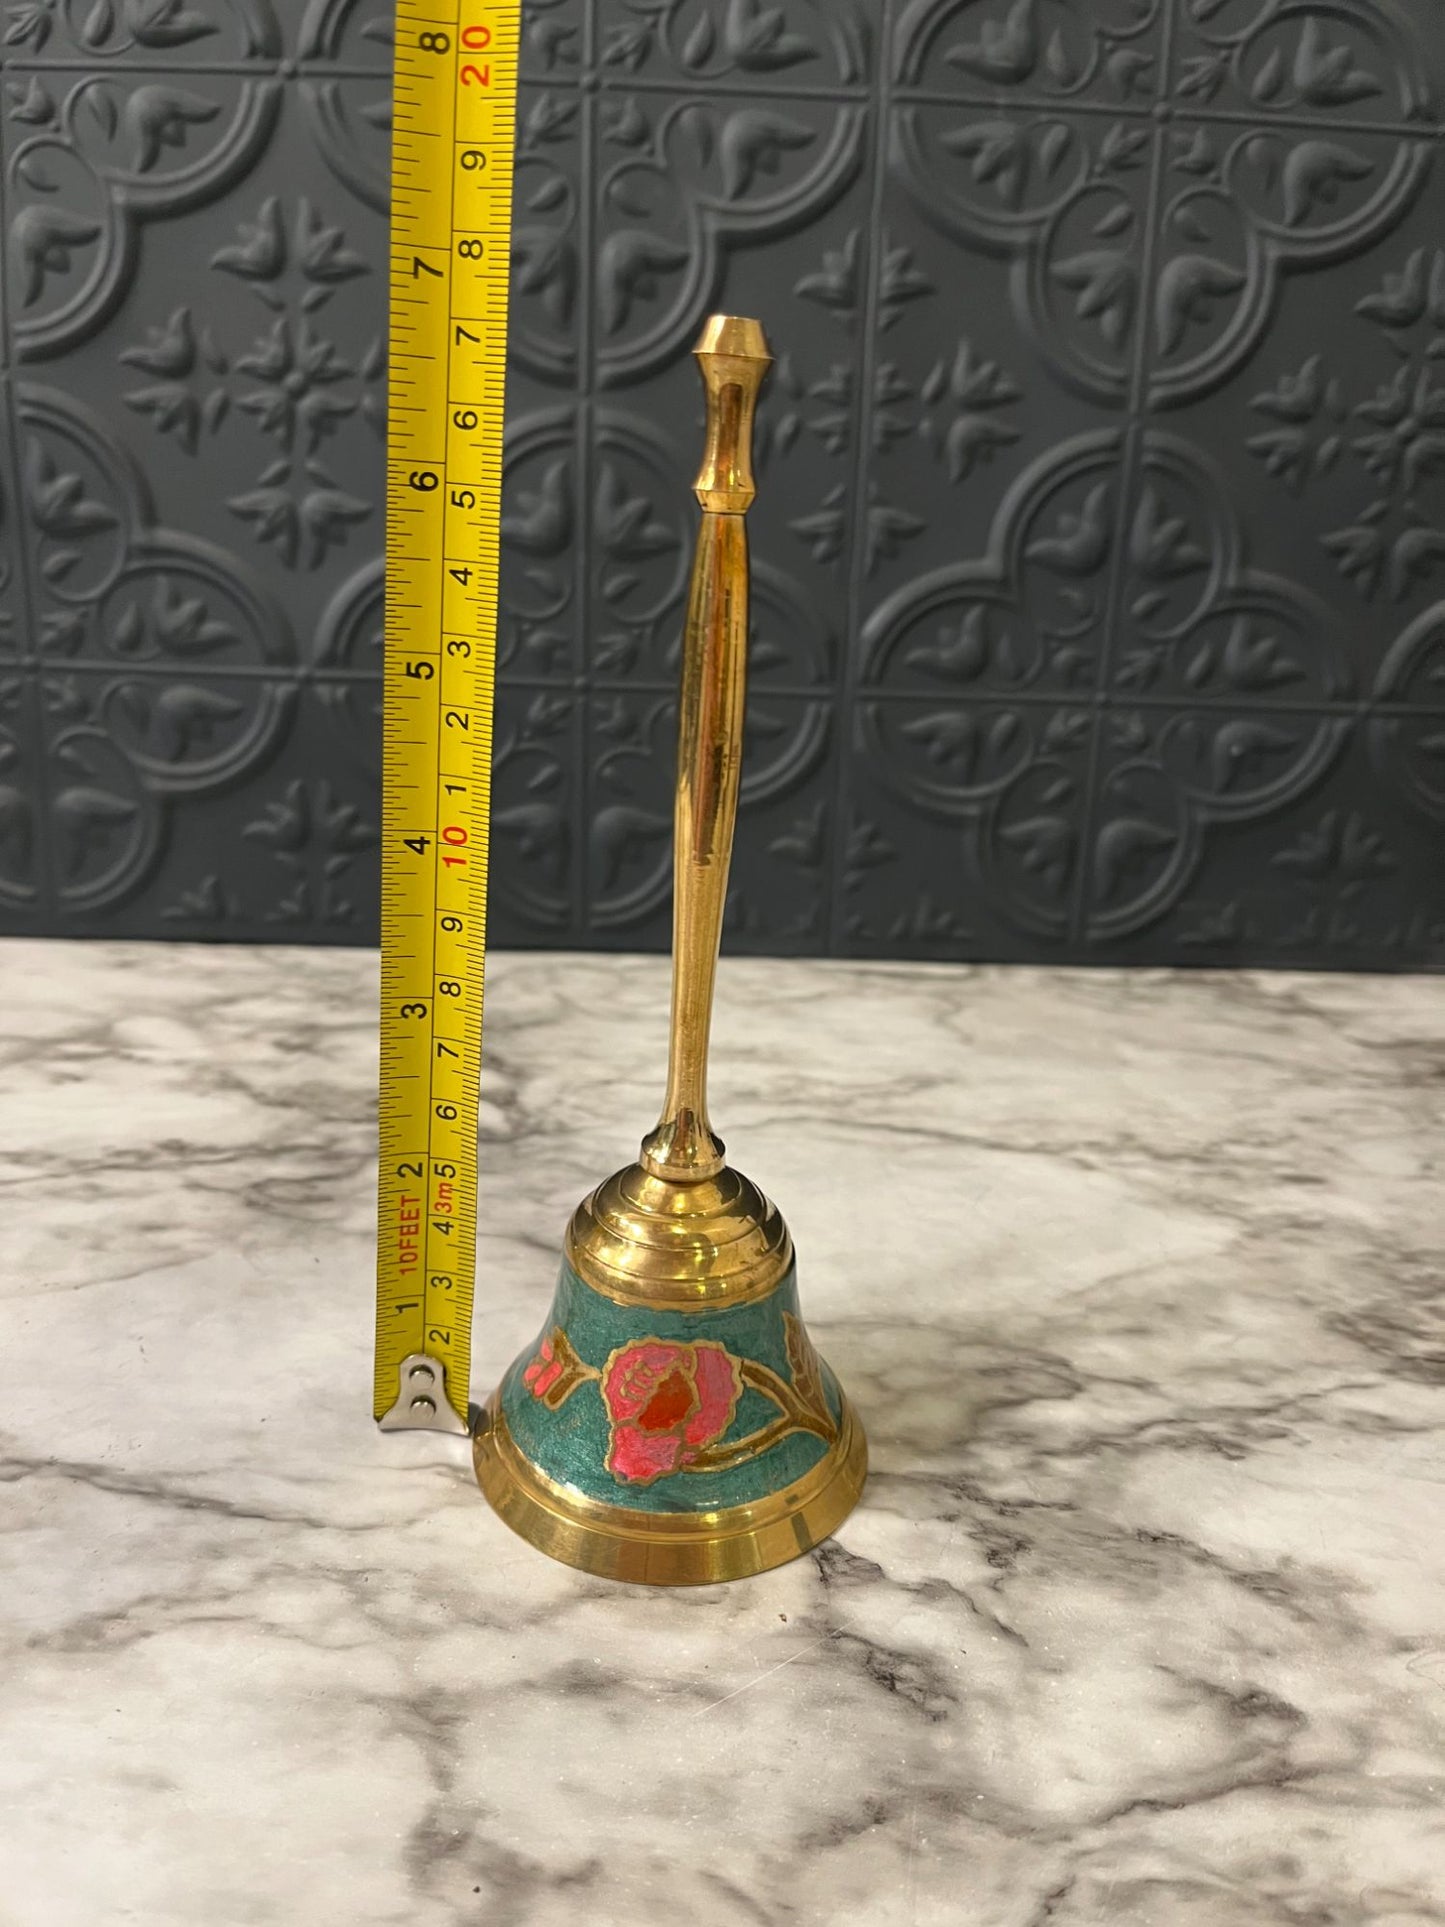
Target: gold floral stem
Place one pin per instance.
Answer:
(718, 1458)
(773, 1385)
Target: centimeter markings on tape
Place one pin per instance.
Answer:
(452, 145)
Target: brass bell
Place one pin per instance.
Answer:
(672, 1423)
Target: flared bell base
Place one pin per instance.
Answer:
(669, 1548)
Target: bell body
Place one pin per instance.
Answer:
(671, 1446)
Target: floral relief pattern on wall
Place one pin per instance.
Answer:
(1099, 584)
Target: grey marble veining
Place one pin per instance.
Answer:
(1135, 1279)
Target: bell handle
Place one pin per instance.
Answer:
(733, 357)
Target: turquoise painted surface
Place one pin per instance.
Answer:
(571, 1443)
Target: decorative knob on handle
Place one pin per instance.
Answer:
(733, 356)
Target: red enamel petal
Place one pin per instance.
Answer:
(635, 1374)
(640, 1456)
(718, 1385)
(669, 1404)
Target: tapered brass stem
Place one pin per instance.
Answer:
(733, 357)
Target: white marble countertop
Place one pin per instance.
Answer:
(1136, 1281)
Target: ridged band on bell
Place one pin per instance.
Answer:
(672, 1423)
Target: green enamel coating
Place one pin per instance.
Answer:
(571, 1443)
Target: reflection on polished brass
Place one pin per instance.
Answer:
(668, 1548)
(674, 1328)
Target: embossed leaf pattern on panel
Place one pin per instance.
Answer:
(1098, 565)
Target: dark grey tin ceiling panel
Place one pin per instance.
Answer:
(1100, 562)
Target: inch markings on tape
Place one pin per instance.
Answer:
(454, 114)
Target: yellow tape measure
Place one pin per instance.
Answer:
(452, 141)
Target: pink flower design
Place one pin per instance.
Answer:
(543, 1372)
(665, 1403)
(556, 1372)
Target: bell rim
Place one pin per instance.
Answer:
(639, 1547)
